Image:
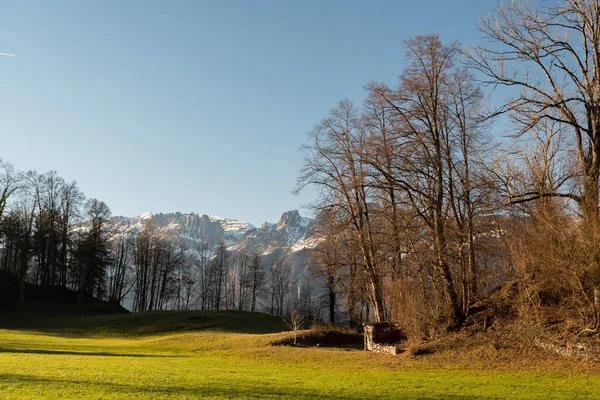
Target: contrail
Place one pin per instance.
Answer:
(8, 55)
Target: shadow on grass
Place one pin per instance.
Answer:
(147, 323)
(79, 353)
(229, 390)
(327, 338)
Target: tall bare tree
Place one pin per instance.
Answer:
(424, 171)
(257, 276)
(552, 56)
(327, 258)
(335, 162)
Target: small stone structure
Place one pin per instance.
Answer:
(383, 337)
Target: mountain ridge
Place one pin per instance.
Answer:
(291, 234)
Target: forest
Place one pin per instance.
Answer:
(470, 184)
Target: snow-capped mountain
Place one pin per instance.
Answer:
(288, 238)
(285, 234)
(190, 227)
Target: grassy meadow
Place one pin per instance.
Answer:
(228, 355)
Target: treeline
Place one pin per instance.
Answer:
(167, 274)
(158, 270)
(51, 236)
(423, 213)
(42, 241)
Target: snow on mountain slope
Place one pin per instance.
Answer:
(292, 233)
(232, 226)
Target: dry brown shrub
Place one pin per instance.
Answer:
(551, 261)
(408, 310)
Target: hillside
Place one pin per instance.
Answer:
(54, 301)
(150, 323)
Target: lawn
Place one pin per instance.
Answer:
(227, 355)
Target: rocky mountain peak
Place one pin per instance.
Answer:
(290, 219)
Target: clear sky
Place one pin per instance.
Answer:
(200, 106)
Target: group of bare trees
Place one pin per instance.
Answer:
(552, 56)
(166, 273)
(246, 279)
(228, 280)
(157, 264)
(415, 198)
(401, 177)
(41, 236)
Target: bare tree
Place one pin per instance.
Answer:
(327, 257)
(142, 259)
(334, 162)
(118, 285)
(294, 320)
(91, 253)
(552, 56)
(10, 182)
(244, 279)
(279, 284)
(71, 203)
(220, 266)
(204, 273)
(257, 274)
(424, 171)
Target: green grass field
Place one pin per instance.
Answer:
(227, 355)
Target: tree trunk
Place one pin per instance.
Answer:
(332, 299)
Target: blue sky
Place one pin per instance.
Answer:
(200, 106)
